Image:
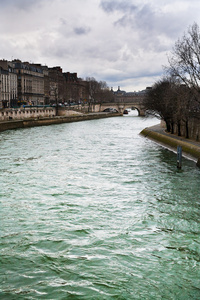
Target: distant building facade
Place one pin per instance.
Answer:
(77, 90)
(122, 96)
(8, 84)
(45, 70)
(30, 83)
(24, 83)
(56, 85)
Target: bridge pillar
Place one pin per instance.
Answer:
(121, 108)
(141, 113)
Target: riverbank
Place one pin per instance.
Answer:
(77, 117)
(190, 148)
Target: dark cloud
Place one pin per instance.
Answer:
(144, 18)
(149, 22)
(20, 4)
(111, 6)
(154, 23)
(81, 30)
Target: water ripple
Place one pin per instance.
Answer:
(95, 211)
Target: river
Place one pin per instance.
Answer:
(93, 210)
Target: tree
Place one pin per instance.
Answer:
(98, 91)
(93, 87)
(161, 101)
(184, 61)
(168, 101)
(176, 97)
(104, 94)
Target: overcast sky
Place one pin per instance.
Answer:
(122, 42)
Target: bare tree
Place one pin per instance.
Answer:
(170, 101)
(104, 94)
(98, 91)
(92, 89)
(161, 101)
(184, 61)
(176, 98)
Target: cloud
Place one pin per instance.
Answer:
(20, 4)
(117, 41)
(122, 6)
(81, 30)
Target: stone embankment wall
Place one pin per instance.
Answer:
(26, 113)
(73, 117)
(66, 111)
(171, 142)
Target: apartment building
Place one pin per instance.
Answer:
(46, 85)
(76, 88)
(8, 84)
(56, 85)
(30, 83)
(4, 90)
(45, 70)
(24, 83)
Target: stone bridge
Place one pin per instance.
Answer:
(122, 101)
(120, 107)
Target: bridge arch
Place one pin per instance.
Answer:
(120, 107)
(110, 109)
(137, 109)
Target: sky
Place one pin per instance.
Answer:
(123, 42)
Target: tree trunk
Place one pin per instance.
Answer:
(172, 128)
(168, 126)
(179, 129)
(186, 130)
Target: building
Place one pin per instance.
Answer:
(46, 85)
(4, 90)
(8, 84)
(24, 83)
(46, 81)
(77, 90)
(30, 83)
(13, 86)
(56, 85)
(123, 96)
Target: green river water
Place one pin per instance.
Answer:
(93, 210)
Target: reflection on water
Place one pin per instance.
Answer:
(92, 210)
